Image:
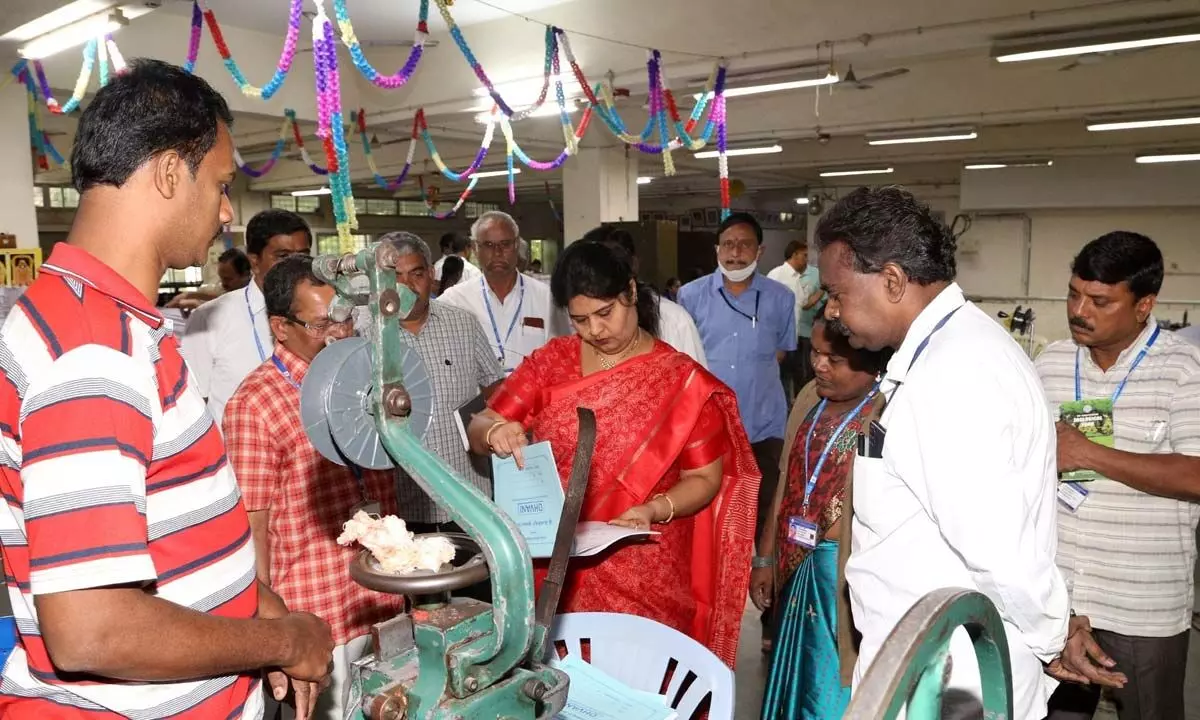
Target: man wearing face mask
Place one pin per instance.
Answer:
(297, 499)
(1127, 513)
(747, 324)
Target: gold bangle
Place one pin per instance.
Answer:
(487, 438)
(670, 503)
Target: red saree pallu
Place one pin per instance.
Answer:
(656, 414)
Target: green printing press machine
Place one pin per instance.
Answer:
(369, 401)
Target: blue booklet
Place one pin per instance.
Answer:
(533, 497)
(596, 695)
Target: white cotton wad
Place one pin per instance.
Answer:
(396, 549)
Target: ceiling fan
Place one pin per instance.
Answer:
(865, 83)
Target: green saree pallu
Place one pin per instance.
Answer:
(804, 681)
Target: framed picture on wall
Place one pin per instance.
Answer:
(19, 267)
(712, 217)
(685, 223)
(697, 217)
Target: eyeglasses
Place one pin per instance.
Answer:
(323, 327)
(730, 245)
(504, 245)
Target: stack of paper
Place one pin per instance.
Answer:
(533, 497)
(595, 695)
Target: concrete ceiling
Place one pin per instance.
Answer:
(1019, 109)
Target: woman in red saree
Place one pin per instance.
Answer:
(670, 452)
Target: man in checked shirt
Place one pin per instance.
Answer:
(296, 498)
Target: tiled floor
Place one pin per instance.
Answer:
(752, 674)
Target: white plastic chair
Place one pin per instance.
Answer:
(641, 653)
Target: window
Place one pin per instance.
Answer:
(475, 209)
(283, 202)
(308, 204)
(63, 197)
(328, 244)
(39, 196)
(381, 207)
(360, 206)
(413, 208)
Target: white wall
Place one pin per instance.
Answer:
(17, 214)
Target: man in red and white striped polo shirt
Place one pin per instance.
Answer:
(127, 550)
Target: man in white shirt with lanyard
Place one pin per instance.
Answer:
(514, 309)
(1127, 514)
(675, 326)
(955, 486)
(228, 337)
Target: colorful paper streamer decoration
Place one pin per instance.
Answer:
(330, 127)
(286, 56)
(405, 73)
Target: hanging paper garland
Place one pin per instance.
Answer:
(304, 156)
(81, 83)
(276, 152)
(282, 68)
(360, 120)
(39, 139)
(446, 215)
(437, 159)
(114, 54)
(722, 158)
(350, 40)
(189, 65)
(513, 149)
(330, 127)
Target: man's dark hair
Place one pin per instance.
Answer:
(447, 242)
(237, 258)
(601, 271)
(269, 223)
(462, 243)
(794, 247)
(279, 286)
(889, 225)
(1121, 257)
(612, 235)
(741, 218)
(150, 108)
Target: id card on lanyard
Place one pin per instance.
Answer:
(366, 504)
(501, 342)
(1096, 419)
(801, 531)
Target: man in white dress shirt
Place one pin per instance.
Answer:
(230, 336)
(675, 326)
(514, 309)
(962, 492)
(456, 244)
(805, 283)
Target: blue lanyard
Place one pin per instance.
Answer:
(752, 318)
(1120, 388)
(516, 316)
(811, 483)
(356, 470)
(262, 354)
(925, 343)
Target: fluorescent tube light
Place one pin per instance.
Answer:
(941, 135)
(73, 35)
(1139, 124)
(51, 21)
(801, 201)
(829, 79)
(1102, 47)
(308, 193)
(1177, 157)
(732, 152)
(863, 171)
(645, 180)
(495, 173)
(1007, 164)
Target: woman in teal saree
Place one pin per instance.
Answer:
(797, 570)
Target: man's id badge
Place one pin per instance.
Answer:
(802, 532)
(1072, 495)
(370, 507)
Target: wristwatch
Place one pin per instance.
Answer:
(758, 562)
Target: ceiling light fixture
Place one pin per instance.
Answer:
(921, 136)
(309, 193)
(861, 171)
(72, 35)
(801, 201)
(734, 152)
(1008, 164)
(645, 180)
(65, 15)
(1109, 38)
(495, 173)
(830, 78)
(1168, 158)
(1105, 124)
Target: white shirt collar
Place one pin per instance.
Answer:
(258, 303)
(946, 302)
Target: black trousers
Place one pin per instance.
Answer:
(766, 454)
(1155, 667)
(796, 370)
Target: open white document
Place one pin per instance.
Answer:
(595, 695)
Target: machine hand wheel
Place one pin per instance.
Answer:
(472, 569)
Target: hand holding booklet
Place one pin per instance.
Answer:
(533, 497)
